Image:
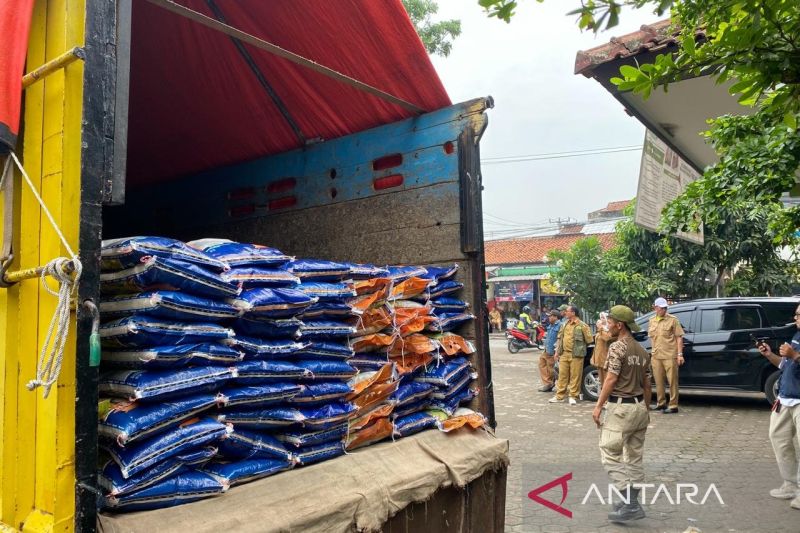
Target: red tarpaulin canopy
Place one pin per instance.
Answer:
(196, 104)
(15, 24)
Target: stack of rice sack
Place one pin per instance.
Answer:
(165, 358)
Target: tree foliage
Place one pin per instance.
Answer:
(752, 46)
(737, 260)
(436, 36)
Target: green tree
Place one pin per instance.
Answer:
(436, 36)
(582, 275)
(754, 46)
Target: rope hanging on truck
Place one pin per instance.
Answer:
(67, 272)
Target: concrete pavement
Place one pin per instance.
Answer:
(714, 440)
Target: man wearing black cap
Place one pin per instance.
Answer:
(626, 388)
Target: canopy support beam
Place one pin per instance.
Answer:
(209, 22)
(220, 16)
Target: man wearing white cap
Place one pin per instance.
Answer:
(666, 337)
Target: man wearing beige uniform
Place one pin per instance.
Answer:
(666, 337)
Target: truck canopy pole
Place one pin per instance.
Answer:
(171, 6)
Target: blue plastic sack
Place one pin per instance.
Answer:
(316, 393)
(461, 383)
(327, 292)
(110, 477)
(248, 444)
(238, 472)
(306, 438)
(259, 395)
(283, 328)
(401, 273)
(315, 270)
(183, 488)
(366, 362)
(157, 273)
(257, 372)
(172, 305)
(321, 452)
(411, 392)
(443, 288)
(143, 455)
(276, 417)
(326, 416)
(126, 422)
(454, 401)
(158, 385)
(414, 423)
(326, 369)
(325, 350)
(445, 374)
(411, 408)
(437, 273)
(272, 303)
(326, 329)
(162, 357)
(449, 321)
(120, 254)
(449, 305)
(256, 348)
(366, 271)
(252, 277)
(330, 311)
(142, 331)
(238, 254)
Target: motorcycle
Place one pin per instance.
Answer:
(519, 340)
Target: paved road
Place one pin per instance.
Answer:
(719, 441)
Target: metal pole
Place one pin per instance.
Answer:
(16, 276)
(209, 22)
(51, 66)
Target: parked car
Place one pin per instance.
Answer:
(718, 343)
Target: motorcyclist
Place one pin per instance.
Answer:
(526, 322)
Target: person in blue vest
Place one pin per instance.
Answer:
(784, 423)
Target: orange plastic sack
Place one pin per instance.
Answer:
(380, 429)
(369, 416)
(412, 344)
(362, 303)
(463, 417)
(409, 363)
(370, 286)
(374, 395)
(371, 343)
(412, 320)
(409, 288)
(373, 321)
(453, 344)
(365, 380)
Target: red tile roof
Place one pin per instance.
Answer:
(535, 249)
(650, 38)
(615, 206)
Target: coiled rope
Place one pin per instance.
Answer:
(51, 356)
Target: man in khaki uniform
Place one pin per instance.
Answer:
(666, 336)
(573, 338)
(626, 388)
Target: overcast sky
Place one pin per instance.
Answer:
(541, 107)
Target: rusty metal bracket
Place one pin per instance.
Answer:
(10, 278)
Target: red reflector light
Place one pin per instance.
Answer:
(387, 161)
(283, 185)
(395, 180)
(282, 203)
(449, 148)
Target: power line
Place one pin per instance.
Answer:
(558, 155)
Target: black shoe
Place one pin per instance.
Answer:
(669, 410)
(656, 407)
(626, 512)
(547, 388)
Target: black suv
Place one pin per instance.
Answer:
(718, 344)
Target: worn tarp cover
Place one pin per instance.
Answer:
(195, 104)
(358, 491)
(15, 24)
